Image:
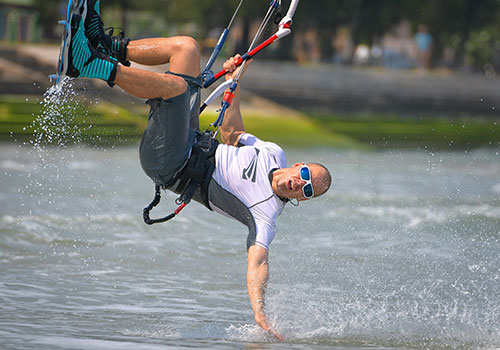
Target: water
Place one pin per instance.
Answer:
(402, 253)
(56, 122)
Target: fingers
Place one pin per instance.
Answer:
(232, 66)
(276, 335)
(232, 63)
(262, 322)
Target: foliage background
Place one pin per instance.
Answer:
(471, 28)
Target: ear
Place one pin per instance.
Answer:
(303, 199)
(297, 165)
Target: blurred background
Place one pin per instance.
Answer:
(418, 73)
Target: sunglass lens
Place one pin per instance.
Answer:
(308, 190)
(305, 174)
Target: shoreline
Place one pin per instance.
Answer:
(102, 122)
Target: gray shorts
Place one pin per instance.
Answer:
(170, 134)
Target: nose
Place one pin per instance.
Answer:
(298, 183)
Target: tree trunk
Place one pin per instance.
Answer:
(242, 45)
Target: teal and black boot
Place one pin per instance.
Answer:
(114, 46)
(82, 60)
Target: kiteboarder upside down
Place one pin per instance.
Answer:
(245, 178)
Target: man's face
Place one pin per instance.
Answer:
(289, 184)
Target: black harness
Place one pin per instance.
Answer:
(192, 181)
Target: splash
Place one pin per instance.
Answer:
(248, 333)
(55, 124)
(458, 313)
(367, 321)
(61, 123)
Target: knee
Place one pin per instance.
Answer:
(188, 46)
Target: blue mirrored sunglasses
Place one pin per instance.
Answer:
(305, 175)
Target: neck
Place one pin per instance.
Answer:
(275, 175)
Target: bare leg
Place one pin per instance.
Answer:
(182, 54)
(145, 84)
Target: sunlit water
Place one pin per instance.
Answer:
(402, 253)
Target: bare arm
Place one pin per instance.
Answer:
(232, 127)
(257, 276)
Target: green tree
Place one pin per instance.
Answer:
(468, 26)
(49, 11)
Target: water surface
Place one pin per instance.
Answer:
(402, 253)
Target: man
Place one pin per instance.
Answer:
(423, 43)
(250, 181)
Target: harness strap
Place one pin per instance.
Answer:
(195, 175)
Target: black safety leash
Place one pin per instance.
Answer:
(154, 203)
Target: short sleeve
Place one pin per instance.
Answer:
(247, 139)
(265, 215)
(276, 151)
(265, 234)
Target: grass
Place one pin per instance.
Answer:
(290, 132)
(25, 118)
(21, 118)
(424, 132)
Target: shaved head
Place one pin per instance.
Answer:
(288, 182)
(321, 178)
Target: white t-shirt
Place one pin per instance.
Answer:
(243, 174)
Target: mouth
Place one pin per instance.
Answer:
(289, 185)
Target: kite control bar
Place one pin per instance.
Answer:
(232, 84)
(207, 73)
(284, 30)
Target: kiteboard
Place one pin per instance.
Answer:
(74, 7)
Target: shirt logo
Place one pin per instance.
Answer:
(250, 172)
